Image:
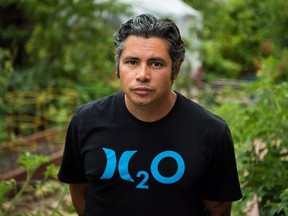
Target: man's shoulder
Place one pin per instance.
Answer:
(103, 104)
(197, 112)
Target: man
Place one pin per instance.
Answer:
(148, 150)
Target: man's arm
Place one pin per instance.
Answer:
(78, 195)
(217, 208)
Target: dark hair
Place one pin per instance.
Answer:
(147, 25)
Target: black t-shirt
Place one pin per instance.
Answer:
(158, 168)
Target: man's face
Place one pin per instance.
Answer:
(145, 71)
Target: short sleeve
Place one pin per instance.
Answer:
(221, 181)
(72, 165)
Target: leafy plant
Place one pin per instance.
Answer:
(259, 127)
(6, 71)
(237, 34)
(28, 162)
(41, 188)
(57, 44)
(68, 43)
(5, 187)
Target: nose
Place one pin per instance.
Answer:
(143, 73)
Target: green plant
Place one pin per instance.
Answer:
(236, 34)
(6, 71)
(6, 67)
(5, 187)
(56, 44)
(51, 172)
(69, 43)
(40, 189)
(28, 162)
(259, 126)
(280, 207)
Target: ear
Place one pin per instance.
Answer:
(175, 76)
(117, 73)
(175, 71)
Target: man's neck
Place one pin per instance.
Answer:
(152, 112)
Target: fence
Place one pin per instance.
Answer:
(28, 112)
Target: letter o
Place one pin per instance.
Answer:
(180, 167)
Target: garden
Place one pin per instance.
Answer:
(56, 55)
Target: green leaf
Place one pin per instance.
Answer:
(31, 162)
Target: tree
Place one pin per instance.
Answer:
(56, 45)
(235, 32)
(64, 42)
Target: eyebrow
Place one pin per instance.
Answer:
(150, 59)
(157, 59)
(130, 58)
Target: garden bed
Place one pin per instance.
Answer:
(47, 143)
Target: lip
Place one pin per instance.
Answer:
(143, 91)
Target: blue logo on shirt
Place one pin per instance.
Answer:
(124, 163)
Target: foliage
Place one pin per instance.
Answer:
(6, 67)
(32, 111)
(236, 34)
(259, 122)
(6, 70)
(67, 43)
(30, 163)
(5, 187)
(56, 45)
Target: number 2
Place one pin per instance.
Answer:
(142, 185)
